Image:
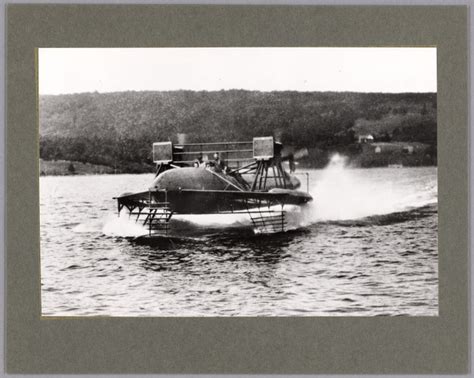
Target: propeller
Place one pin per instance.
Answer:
(289, 153)
(287, 150)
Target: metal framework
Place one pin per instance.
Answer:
(261, 175)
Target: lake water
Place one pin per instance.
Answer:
(366, 246)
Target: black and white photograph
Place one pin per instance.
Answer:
(224, 182)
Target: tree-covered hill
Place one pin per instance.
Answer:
(117, 129)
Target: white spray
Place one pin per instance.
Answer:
(343, 193)
(123, 226)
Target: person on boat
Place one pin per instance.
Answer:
(218, 163)
(202, 161)
(198, 163)
(211, 164)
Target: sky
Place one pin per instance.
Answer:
(374, 69)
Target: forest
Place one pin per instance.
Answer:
(118, 129)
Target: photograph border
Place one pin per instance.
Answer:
(277, 345)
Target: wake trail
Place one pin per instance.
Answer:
(343, 193)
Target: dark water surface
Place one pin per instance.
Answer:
(366, 246)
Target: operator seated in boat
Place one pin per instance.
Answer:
(211, 165)
(199, 163)
(218, 163)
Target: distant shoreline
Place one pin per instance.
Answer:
(72, 168)
(63, 168)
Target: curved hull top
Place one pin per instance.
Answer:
(193, 178)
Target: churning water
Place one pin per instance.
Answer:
(366, 246)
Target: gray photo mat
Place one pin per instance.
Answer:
(234, 345)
